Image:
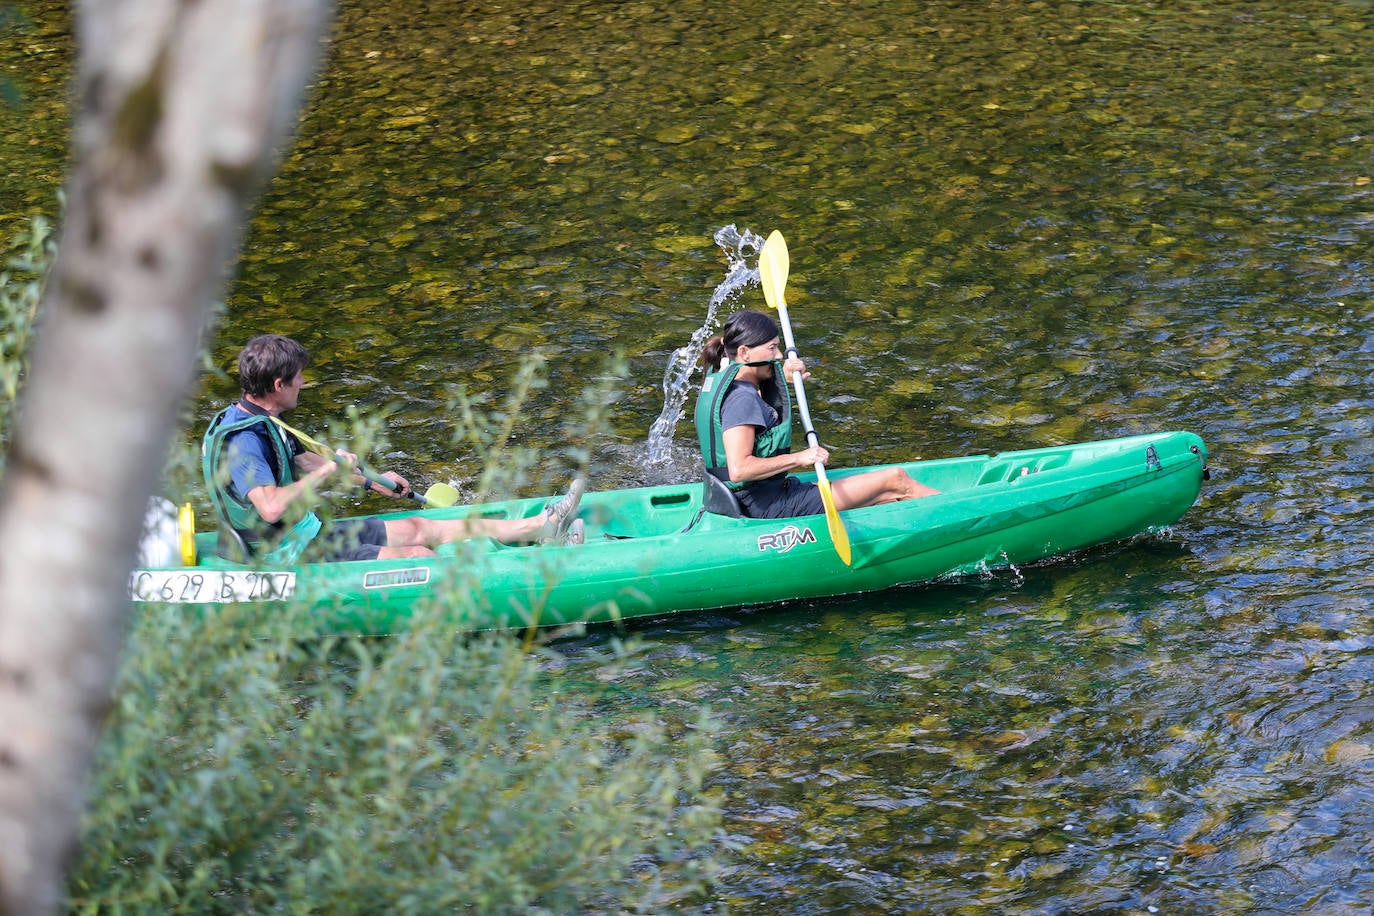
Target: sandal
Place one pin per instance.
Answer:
(561, 512)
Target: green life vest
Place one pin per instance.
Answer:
(287, 543)
(775, 440)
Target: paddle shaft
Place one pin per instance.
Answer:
(803, 410)
(838, 534)
(324, 451)
(773, 266)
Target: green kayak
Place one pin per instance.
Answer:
(668, 549)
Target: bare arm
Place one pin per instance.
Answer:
(745, 465)
(273, 501)
(308, 461)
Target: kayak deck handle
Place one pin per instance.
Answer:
(1011, 470)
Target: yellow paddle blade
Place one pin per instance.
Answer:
(441, 496)
(773, 270)
(838, 534)
(186, 534)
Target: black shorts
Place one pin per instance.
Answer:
(349, 539)
(780, 497)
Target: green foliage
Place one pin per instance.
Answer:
(304, 773)
(27, 256)
(489, 432)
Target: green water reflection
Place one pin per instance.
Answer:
(1012, 224)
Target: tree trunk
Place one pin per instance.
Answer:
(180, 110)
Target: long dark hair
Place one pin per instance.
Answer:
(745, 328)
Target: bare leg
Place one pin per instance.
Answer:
(417, 536)
(417, 531)
(884, 486)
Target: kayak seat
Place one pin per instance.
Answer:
(716, 497)
(231, 545)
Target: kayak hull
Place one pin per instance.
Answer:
(655, 550)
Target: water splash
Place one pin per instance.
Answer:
(740, 248)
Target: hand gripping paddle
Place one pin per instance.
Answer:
(773, 277)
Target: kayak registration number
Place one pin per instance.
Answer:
(203, 586)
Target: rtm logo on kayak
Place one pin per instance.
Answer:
(396, 577)
(786, 539)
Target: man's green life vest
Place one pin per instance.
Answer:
(287, 543)
(775, 440)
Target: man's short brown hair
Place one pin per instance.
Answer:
(269, 357)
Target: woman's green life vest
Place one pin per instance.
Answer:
(285, 544)
(775, 440)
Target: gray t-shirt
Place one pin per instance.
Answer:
(779, 496)
(744, 406)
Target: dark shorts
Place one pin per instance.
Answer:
(780, 497)
(349, 539)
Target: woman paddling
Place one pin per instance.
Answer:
(744, 428)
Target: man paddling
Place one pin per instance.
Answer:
(260, 479)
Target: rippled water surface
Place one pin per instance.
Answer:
(1013, 223)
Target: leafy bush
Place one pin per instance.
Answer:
(303, 772)
(300, 773)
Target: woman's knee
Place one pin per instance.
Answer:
(897, 484)
(914, 488)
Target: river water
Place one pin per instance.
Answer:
(1013, 223)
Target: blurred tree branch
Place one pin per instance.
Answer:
(181, 110)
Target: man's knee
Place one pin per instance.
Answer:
(403, 532)
(404, 553)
